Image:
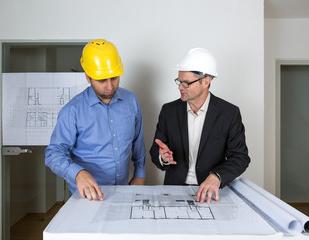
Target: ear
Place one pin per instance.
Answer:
(207, 81)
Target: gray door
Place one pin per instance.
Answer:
(31, 192)
(295, 133)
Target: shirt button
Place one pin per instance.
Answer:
(116, 148)
(111, 120)
(114, 135)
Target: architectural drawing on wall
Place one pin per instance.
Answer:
(42, 117)
(48, 96)
(33, 101)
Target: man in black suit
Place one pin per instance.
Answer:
(200, 138)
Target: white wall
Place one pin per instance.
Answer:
(152, 36)
(285, 39)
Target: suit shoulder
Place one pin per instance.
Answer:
(170, 108)
(223, 104)
(173, 104)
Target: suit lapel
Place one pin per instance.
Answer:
(183, 124)
(209, 122)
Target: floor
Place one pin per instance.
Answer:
(32, 225)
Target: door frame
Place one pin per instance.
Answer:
(1, 160)
(279, 63)
(4, 232)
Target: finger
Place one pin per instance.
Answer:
(93, 193)
(87, 193)
(168, 151)
(173, 162)
(209, 195)
(164, 152)
(168, 154)
(198, 194)
(203, 195)
(217, 194)
(161, 144)
(99, 192)
(81, 192)
(167, 157)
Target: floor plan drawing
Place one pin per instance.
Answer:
(48, 96)
(40, 119)
(153, 210)
(43, 105)
(182, 208)
(33, 103)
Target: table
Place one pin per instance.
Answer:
(160, 212)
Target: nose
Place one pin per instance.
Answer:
(109, 84)
(180, 87)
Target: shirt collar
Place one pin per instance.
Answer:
(93, 98)
(203, 108)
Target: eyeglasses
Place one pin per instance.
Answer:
(186, 83)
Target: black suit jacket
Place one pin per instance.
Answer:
(222, 146)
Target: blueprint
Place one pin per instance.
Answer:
(143, 208)
(161, 205)
(150, 210)
(31, 103)
(171, 212)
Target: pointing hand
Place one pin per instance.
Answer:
(165, 153)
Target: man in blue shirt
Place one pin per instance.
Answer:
(99, 130)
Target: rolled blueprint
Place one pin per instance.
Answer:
(286, 207)
(284, 221)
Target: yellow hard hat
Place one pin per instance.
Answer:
(100, 60)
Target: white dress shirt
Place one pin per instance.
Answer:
(195, 127)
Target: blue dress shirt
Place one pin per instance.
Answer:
(100, 138)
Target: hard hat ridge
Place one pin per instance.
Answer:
(199, 59)
(100, 60)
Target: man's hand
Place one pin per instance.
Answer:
(137, 181)
(165, 153)
(88, 187)
(208, 189)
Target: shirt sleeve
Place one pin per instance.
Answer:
(138, 146)
(58, 152)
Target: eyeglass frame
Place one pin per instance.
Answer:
(179, 82)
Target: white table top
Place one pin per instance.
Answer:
(159, 212)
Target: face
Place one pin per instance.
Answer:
(196, 90)
(106, 88)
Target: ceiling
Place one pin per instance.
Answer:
(286, 8)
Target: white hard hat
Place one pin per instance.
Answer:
(199, 59)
